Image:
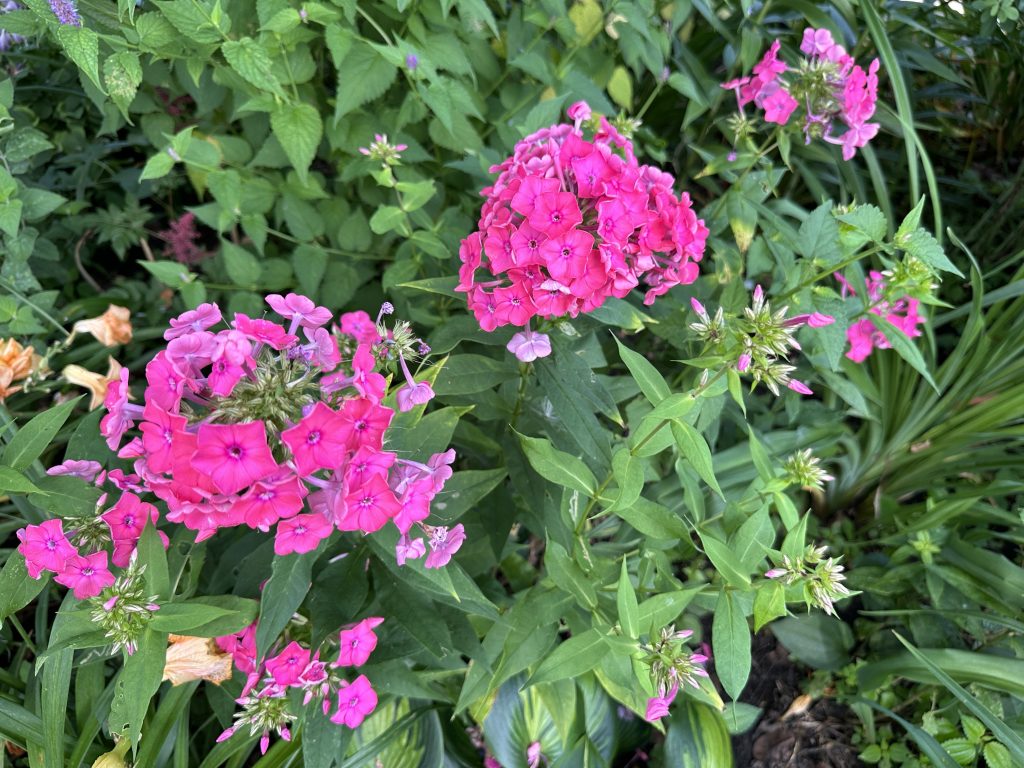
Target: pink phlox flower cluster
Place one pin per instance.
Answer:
(571, 221)
(46, 547)
(256, 424)
(295, 666)
(829, 84)
(863, 335)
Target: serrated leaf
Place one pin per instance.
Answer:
(818, 237)
(922, 245)
(298, 129)
(122, 74)
(362, 75)
(252, 63)
(242, 267)
(82, 46)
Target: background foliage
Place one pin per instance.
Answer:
(209, 151)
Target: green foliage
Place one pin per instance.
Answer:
(615, 494)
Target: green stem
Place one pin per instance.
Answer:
(524, 378)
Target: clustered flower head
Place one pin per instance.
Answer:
(672, 664)
(256, 425)
(381, 149)
(250, 425)
(266, 706)
(570, 221)
(821, 577)
(759, 341)
(901, 312)
(827, 83)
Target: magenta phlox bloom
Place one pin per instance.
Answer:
(355, 701)
(444, 543)
(658, 706)
(86, 576)
(357, 642)
(45, 547)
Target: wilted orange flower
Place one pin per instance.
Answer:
(20, 360)
(96, 383)
(195, 658)
(111, 328)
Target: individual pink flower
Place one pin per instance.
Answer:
(86, 576)
(45, 547)
(234, 455)
(816, 42)
(355, 702)
(158, 433)
(409, 549)
(126, 521)
(365, 422)
(199, 319)
(119, 418)
(287, 667)
(264, 331)
(242, 647)
(302, 533)
(357, 642)
(555, 213)
(413, 393)
(369, 506)
(658, 706)
(85, 469)
(318, 441)
(779, 107)
(300, 310)
(813, 320)
(270, 500)
(529, 345)
(579, 110)
(360, 326)
(443, 544)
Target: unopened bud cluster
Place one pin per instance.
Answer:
(802, 469)
(123, 610)
(821, 577)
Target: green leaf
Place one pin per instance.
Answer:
(31, 440)
(868, 220)
(922, 245)
(387, 218)
(904, 347)
(310, 265)
(82, 46)
(158, 166)
(819, 236)
(997, 756)
(557, 466)
(191, 19)
(695, 448)
(17, 588)
(56, 683)
(181, 618)
(629, 611)
(1008, 737)
(568, 576)
(769, 604)
(363, 75)
(289, 582)
(730, 641)
(651, 383)
(653, 520)
(298, 128)
(253, 64)
(137, 683)
(153, 555)
(415, 194)
(122, 74)
(725, 562)
(243, 268)
(660, 610)
(574, 657)
(12, 481)
(629, 474)
(817, 640)
(170, 273)
(620, 88)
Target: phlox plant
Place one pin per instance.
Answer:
(456, 409)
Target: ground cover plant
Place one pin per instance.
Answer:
(461, 383)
